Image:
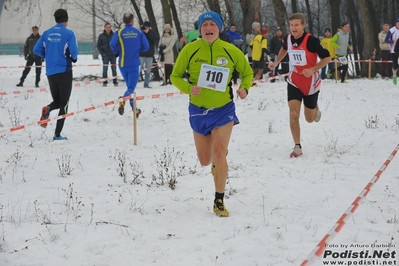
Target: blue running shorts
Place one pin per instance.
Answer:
(203, 120)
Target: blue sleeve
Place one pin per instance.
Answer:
(144, 43)
(39, 48)
(113, 43)
(73, 46)
(388, 38)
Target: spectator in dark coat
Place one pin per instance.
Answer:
(106, 53)
(275, 45)
(147, 58)
(31, 58)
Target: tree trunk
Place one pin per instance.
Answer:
(214, 5)
(167, 16)
(294, 5)
(250, 13)
(176, 20)
(310, 19)
(230, 12)
(280, 14)
(370, 31)
(151, 16)
(136, 8)
(335, 15)
(357, 37)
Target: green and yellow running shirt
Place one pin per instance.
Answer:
(211, 64)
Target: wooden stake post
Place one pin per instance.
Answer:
(134, 119)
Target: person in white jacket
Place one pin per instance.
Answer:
(165, 50)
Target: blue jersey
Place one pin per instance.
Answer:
(59, 47)
(128, 43)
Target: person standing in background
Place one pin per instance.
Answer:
(106, 53)
(326, 43)
(385, 52)
(31, 58)
(236, 39)
(259, 49)
(248, 39)
(275, 45)
(59, 47)
(234, 36)
(391, 38)
(165, 49)
(127, 44)
(147, 57)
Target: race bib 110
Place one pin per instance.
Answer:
(213, 77)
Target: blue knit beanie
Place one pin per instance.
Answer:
(211, 15)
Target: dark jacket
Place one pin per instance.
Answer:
(103, 43)
(275, 45)
(29, 44)
(153, 40)
(224, 37)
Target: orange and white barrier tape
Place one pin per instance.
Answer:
(91, 108)
(73, 65)
(320, 248)
(43, 89)
(3, 93)
(79, 84)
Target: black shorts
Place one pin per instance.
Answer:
(395, 64)
(310, 101)
(258, 64)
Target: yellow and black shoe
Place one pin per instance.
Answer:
(220, 209)
(121, 108)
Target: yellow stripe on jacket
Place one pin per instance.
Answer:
(121, 56)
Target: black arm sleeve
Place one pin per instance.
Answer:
(315, 47)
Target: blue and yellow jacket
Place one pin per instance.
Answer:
(59, 47)
(128, 43)
(219, 53)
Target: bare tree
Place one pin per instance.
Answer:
(167, 15)
(137, 11)
(294, 6)
(251, 13)
(214, 5)
(151, 16)
(310, 19)
(176, 19)
(335, 14)
(370, 31)
(230, 12)
(280, 14)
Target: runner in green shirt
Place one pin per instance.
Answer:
(190, 36)
(209, 63)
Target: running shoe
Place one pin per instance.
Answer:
(45, 115)
(318, 114)
(220, 209)
(59, 138)
(297, 151)
(121, 109)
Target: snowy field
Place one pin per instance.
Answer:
(97, 199)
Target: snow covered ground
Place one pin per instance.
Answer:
(112, 210)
